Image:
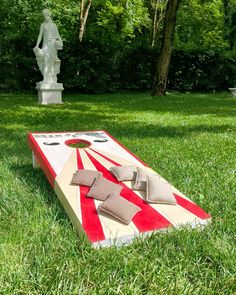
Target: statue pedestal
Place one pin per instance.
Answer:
(233, 91)
(49, 92)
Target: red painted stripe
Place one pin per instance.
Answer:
(125, 148)
(147, 219)
(90, 219)
(191, 207)
(41, 158)
(108, 159)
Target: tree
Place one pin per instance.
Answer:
(159, 85)
(84, 11)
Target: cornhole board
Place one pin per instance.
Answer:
(53, 152)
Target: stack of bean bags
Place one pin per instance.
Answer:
(102, 189)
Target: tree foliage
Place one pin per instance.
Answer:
(230, 22)
(201, 26)
(116, 52)
(124, 20)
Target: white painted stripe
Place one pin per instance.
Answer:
(118, 159)
(112, 147)
(70, 192)
(57, 155)
(176, 214)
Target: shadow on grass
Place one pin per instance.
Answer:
(220, 104)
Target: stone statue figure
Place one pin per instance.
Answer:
(48, 62)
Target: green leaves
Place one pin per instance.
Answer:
(126, 18)
(200, 26)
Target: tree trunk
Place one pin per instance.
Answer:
(157, 19)
(159, 85)
(154, 24)
(84, 11)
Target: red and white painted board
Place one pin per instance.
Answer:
(59, 161)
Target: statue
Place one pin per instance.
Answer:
(49, 91)
(233, 90)
(48, 62)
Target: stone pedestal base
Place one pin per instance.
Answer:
(233, 91)
(49, 93)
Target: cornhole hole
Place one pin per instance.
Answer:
(61, 154)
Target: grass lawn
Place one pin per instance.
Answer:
(189, 139)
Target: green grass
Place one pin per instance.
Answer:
(189, 139)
